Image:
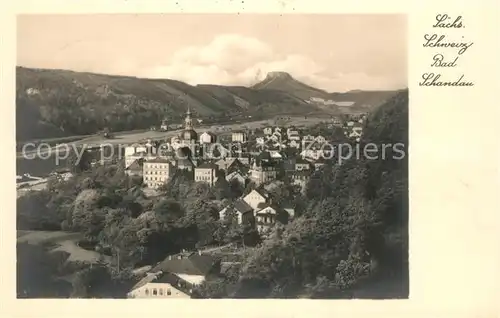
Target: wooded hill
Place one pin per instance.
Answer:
(59, 103)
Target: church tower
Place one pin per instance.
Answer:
(189, 135)
(188, 121)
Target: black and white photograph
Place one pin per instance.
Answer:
(209, 156)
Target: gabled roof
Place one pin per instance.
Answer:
(194, 264)
(263, 193)
(135, 166)
(208, 165)
(264, 206)
(242, 207)
(209, 133)
(158, 160)
(233, 175)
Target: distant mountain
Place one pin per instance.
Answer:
(57, 103)
(350, 102)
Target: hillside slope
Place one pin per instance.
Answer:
(350, 102)
(58, 103)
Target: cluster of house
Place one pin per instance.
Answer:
(261, 161)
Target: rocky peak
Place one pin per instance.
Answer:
(279, 75)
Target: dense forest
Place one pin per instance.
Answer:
(349, 237)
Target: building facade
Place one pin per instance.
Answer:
(157, 172)
(206, 173)
(239, 136)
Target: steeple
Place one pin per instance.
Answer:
(188, 121)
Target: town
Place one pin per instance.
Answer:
(254, 160)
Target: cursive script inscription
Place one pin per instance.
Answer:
(440, 62)
(439, 41)
(443, 21)
(449, 49)
(431, 79)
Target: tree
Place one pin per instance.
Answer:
(78, 164)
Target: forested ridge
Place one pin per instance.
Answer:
(349, 239)
(61, 103)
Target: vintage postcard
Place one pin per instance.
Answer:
(293, 152)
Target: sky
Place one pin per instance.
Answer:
(331, 52)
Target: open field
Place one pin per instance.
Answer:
(64, 241)
(126, 138)
(45, 237)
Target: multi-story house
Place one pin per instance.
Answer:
(256, 197)
(265, 217)
(207, 173)
(157, 172)
(263, 171)
(244, 212)
(239, 136)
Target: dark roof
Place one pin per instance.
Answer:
(158, 160)
(184, 162)
(262, 205)
(300, 160)
(210, 133)
(264, 155)
(242, 207)
(135, 166)
(192, 265)
(208, 165)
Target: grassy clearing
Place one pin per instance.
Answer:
(44, 237)
(61, 241)
(78, 254)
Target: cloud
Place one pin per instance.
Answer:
(232, 59)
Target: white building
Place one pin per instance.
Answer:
(239, 136)
(157, 172)
(206, 172)
(175, 277)
(207, 138)
(255, 198)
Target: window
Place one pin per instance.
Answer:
(169, 292)
(155, 292)
(146, 292)
(161, 292)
